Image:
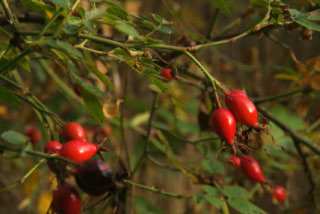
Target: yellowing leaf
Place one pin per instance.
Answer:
(48, 13)
(110, 109)
(286, 77)
(140, 119)
(32, 181)
(44, 202)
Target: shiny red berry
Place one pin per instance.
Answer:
(66, 200)
(235, 161)
(279, 193)
(166, 73)
(52, 147)
(34, 134)
(251, 168)
(73, 131)
(78, 89)
(78, 151)
(238, 92)
(224, 124)
(95, 177)
(243, 109)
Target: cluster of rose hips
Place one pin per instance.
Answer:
(223, 121)
(252, 170)
(242, 110)
(95, 177)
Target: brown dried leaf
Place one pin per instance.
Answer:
(313, 63)
(302, 107)
(315, 82)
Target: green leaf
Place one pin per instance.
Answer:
(34, 5)
(92, 67)
(93, 106)
(73, 25)
(302, 19)
(14, 137)
(9, 97)
(85, 85)
(149, 24)
(94, 14)
(162, 21)
(244, 206)
(63, 3)
(235, 192)
(215, 201)
(164, 29)
(65, 47)
(210, 190)
(221, 4)
(259, 3)
(160, 84)
(198, 198)
(117, 10)
(213, 166)
(126, 28)
(314, 15)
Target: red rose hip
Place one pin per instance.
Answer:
(238, 92)
(279, 193)
(34, 134)
(224, 124)
(66, 200)
(251, 168)
(95, 177)
(73, 131)
(52, 147)
(235, 161)
(166, 73)
(243, 109)
(78, 151)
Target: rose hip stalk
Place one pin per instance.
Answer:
(251, 168)
(224, 124)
